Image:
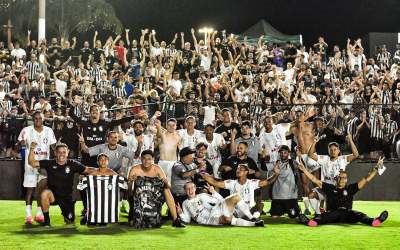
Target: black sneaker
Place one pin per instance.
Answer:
(177, 223)
(45, 224)
(83, 220)
(303, 219)
(259, 223)
(383, 216)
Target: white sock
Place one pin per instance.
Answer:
(315, 205)
(39, 211)
(28, 210)
(256, 215)
(306, 202)
(241, 222)
(244, 208)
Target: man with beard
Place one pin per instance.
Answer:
(340, 200)
(138, 141)
(60, 178)
(330, 165)
(149, 188)
(225, 129)
(246, 136)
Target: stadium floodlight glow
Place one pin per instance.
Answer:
(206, 30)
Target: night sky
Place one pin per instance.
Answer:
(334, 19)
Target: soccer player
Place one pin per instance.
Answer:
(330, 167)
(60, 178)
(189, 135)
(340, 200)
(169, 141)
(214, 210)
(44, 138)
(148, 169)
(244, 187)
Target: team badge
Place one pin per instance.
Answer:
(54, 167)
(94, 129)
(67, 170)
(70, 124)
(101, 128)
(110, 186)
(45, 140)
(345, 192)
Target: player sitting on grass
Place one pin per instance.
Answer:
(60, 178)
(340, 200)
(244, 187)
(214, 210)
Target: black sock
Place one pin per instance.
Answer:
(46, 217)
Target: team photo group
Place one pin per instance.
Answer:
(208, 128)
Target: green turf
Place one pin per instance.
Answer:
(278, 233)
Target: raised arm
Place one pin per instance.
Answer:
(354, 150)
(208, 178)
(94, 39)
(311, 150)
(266, 182)
(361, 184)
(310, 176)
(127, 37)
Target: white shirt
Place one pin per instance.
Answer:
(176, 84)
(44, 139)
(330, 169)
(190, 140)
(38, 106)
(200, 207)
(213, 153)
(273, 140)
(18, 53)
(209, 115)
(245, 191)
(132, 144)
(61, 86)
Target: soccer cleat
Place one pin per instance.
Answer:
(177, 223)
(28, 220)
(39, 218)
(259, 223)
(382, 217)
(303, 219)
(312, 223)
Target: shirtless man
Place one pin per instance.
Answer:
(149, 169)
(304, 135)
(169, 142)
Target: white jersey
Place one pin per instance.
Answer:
(43, 139)
(273, 140)
(132, 145)
(245, 191)
(213, 152)
(202, 208)
(330, 169)
(190, 140)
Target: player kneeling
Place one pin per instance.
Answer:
(213, 209)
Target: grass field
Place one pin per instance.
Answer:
(278, 234)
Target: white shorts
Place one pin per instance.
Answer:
(238, 214)
(311, 164)
(32, 177)
(166, 166)
(320, 193)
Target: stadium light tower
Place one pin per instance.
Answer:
(42, 20)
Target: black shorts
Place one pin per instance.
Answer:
(281, 207)
(67, 206)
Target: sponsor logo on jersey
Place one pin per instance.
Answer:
(345, 192)
(67, 170)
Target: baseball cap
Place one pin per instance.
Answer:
(186, 151)
(284, 148)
